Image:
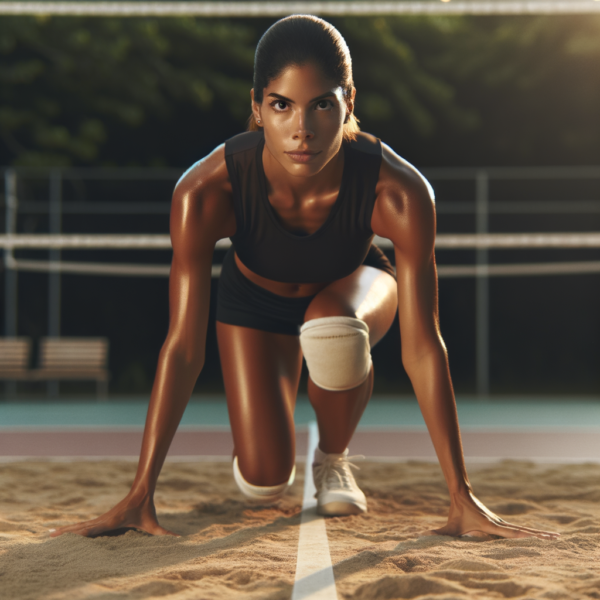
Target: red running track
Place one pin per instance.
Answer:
(388, 444)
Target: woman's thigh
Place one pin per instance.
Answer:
(261, 371)
(369, 294)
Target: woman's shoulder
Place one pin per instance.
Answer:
(403, 195)
(401, 181)
(208, 173)
(203, 194)
(366, 143)
(395, 171)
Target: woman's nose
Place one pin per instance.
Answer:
(303, 130)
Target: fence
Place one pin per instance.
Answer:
(481, 208)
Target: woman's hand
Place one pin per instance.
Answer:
(129, 513)
(469, 517)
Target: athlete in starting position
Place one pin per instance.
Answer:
(301, 195)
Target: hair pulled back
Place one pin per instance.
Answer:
(299, 40)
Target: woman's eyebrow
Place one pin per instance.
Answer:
(280, 97)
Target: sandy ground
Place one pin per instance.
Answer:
(229, 549)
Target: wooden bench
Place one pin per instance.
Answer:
(74, 359)
(15, 354)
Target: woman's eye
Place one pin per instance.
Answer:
(324, 104)
(279, 105)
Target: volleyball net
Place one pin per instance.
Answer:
(490, 241)
(281, 9)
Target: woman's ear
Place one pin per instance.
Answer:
(350, 104)
(255, 108)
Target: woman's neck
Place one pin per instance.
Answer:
(282, 184)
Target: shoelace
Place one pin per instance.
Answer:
(335, 469)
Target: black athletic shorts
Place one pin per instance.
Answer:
(242, 302)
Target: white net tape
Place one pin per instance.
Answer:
(89, 241)
(279, 9)
(529, 269)
(163, 242)
(447, 241)
(86, 268)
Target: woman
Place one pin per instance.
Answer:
(301, 196)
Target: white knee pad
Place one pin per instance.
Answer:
(337, 352)
(260, 493)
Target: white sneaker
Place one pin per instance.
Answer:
(337, 492)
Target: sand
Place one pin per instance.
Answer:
(229, 549)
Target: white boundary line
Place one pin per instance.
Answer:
(314, 572)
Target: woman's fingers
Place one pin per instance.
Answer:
(94, 527)
(508, 530)
(491, 530)
(158, 530)
(501, 523)
(95, 531)
(533, 532)
(487, 528)
(537, 531)
(79, 528)
(471, 517)
(102, 525)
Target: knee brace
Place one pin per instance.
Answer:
(260, 493)
(337, 352)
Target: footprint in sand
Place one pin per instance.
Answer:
(197, 574)
(561, 519)
(508, 589)
(514, 508)
(405, 586)
(155, 589)
(463, 564)
(7, 527)
(508, 553)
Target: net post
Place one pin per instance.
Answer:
(54, 300)
(482, 293)
(10, 273)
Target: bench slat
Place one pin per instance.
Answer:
(14, 353)
(73, 353)
(59, 358)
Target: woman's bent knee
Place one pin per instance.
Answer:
(274, 468)
(261, 493)
(328, 305)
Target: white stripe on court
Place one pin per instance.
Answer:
(314, 573)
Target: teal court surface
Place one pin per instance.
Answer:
(540, 429)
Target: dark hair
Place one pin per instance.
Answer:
(299, 40)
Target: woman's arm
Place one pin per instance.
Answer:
(405, 213)
(201, 213)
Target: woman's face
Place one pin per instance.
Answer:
(302, 114)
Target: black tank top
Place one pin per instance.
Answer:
(336, 249)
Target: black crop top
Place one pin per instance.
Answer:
(336, 249)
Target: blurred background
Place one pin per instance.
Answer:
(104, 114)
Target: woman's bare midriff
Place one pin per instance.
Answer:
(289, 290)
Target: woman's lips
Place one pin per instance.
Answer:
(302, 156)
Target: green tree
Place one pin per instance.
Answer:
(440, 90)
(534, 82)
(68, 85)
(152, 91)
